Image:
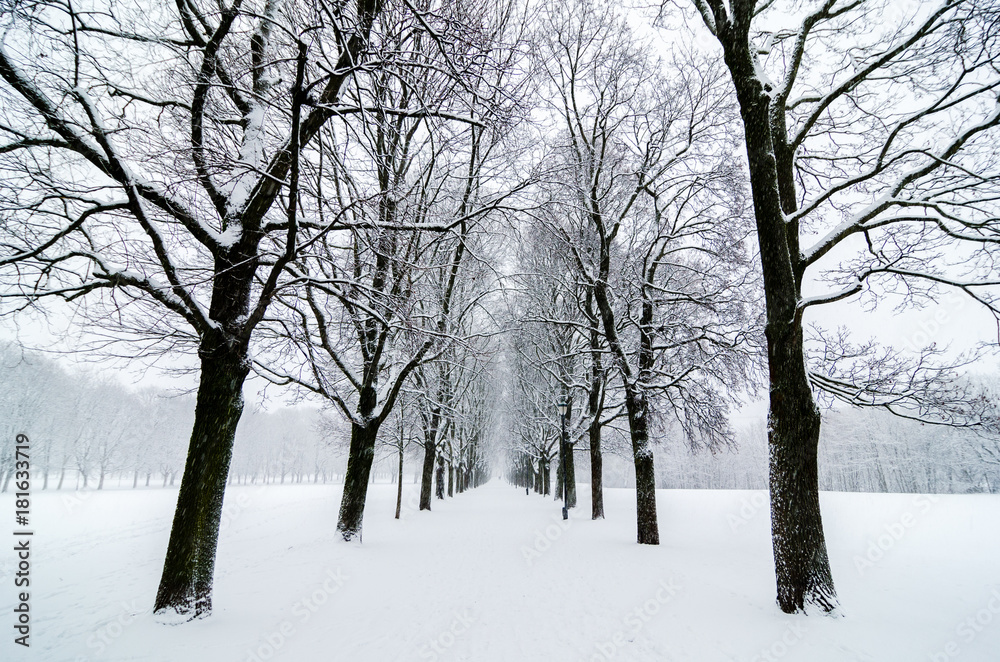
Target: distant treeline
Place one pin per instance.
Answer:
(861, 450)
(86, 430)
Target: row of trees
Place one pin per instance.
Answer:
(86, 430)
(296, 190)
(314, 193)
(860, 451)
(87, 433)
(872, 175)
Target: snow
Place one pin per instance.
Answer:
(495, 574)
(252, 160)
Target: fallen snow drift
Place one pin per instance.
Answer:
(495, 575)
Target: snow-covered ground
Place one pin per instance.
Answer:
(494, 575)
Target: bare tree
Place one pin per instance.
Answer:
(869, 136)
(380, 300)
(652, 217)
(143, 163)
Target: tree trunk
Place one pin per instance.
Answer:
(802, 568)
(570, 475)
(399, 479)
(427, 473)
(594, 408)
(186, 584)
(801, 565)
(637, 406)
(359, 466)
(558, 495)
(596, 472)
(439, 487)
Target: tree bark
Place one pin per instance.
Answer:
(399, 477)
(186, 582)
(637, 407)
(427, 473)
(596, 472)
(439, 478)
(570, 475)
(359, 466)
(594, 408)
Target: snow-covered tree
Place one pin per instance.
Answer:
(651, 213)
(870, 138)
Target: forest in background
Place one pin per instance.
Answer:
(93, 432)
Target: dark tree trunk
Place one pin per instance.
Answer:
(451, 479)
(427, 472)
(596, 472)
(399, 479)
(570, 475)
(430, 457)
(568, 468)
(637, 407)
(595, 406)
(439, 488)
(186, 583)
(559, 494)
(359, 466)
(802, 568)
